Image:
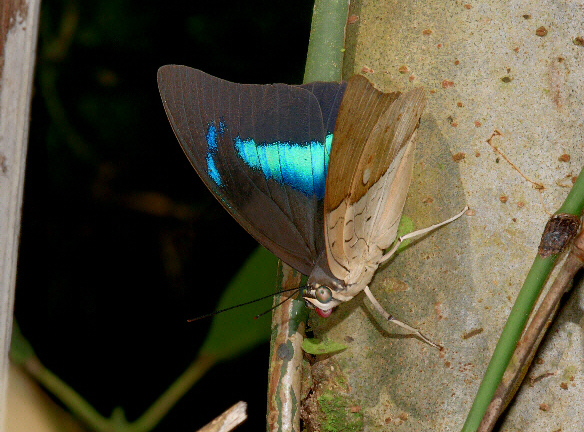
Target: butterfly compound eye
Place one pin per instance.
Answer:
(323, 294)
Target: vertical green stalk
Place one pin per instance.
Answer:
(326, 48)
(323, 63)
(534, 282)
(527, 297)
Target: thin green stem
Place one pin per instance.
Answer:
(534, 282)
(509, 337)
(326, 48)
(152, 416)
(95, 421)
(69, 397)
(574, 202)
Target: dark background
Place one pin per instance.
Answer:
(121, 242)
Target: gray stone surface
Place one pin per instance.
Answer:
(485, 70)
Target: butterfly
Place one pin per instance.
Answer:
(317, 173)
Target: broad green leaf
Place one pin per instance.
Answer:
(236, 331)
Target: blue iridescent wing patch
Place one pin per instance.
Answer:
(262, 150)
(301, 166)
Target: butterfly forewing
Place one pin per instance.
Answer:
(360, 110)
(386, 174)
(365, 220)
(261, 150)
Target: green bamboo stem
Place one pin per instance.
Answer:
(534, 282)
(323, 63)
(326, 48)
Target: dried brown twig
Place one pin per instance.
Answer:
(229, 420)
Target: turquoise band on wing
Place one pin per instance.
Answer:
(302, 166)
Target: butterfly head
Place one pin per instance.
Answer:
(324, 292)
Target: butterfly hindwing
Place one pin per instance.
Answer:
(370, 173)
(262, 151)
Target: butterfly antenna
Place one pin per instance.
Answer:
(390, 317)
(243, 304)
(279, 304)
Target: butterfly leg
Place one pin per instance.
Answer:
(390, 317)
(418, 233)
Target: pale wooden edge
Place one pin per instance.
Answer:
(15, 96)
(229, 420)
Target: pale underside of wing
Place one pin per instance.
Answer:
(364, 220)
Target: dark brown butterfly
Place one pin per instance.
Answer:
(316, 173)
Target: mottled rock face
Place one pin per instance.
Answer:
(491, 74)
